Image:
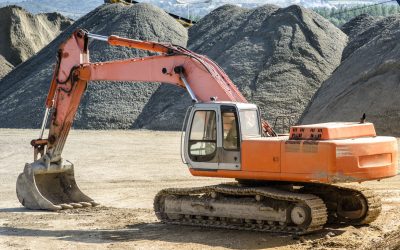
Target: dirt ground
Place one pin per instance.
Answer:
(123, 170)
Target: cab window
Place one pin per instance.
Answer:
(203, 136)
(230, 128)
(249, 123)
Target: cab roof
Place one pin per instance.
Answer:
(239, 105)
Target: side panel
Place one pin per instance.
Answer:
(261, 156)
(333, 161)
(363, 158)
(315, 158)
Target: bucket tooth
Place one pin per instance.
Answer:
(50, 188)
(66, 206)
(76, 205)
(94, 204)
(85, 204)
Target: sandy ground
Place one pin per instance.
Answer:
(123, 170)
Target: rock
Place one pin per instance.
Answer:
(5, 67)
(331, 234)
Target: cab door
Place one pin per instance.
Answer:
(201, 138)
(229, 148)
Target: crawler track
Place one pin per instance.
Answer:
(234, 193)
(331, 193)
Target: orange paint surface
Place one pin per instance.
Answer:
(332, 131)
(262, 155)
(330, 161)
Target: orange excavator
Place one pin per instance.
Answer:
(292, 183)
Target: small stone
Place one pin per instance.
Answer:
(331, 234)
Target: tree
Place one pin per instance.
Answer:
(344, 14)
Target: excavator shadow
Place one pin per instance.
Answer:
(24, 210)
(231, 239)
(16, 210)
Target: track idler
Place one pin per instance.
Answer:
(50, 187)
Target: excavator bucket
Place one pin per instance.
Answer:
(50, 188)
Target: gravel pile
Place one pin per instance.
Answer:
(360, 30)
(22, 34)
(278, 57)
(105, 105)
(367, 81)
(359, 24)
(5, 66)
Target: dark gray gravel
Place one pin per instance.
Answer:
(359, 24)
(360, 30)
(367, 81)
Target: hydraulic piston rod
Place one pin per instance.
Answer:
(98, 37)
(132, 43)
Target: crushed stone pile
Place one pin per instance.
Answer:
(359, 24)
(367, 81)
(22, 34)
(360, 32)
(278, 57)
(105, 105)
(5, 66)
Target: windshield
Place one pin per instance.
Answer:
(249, 123)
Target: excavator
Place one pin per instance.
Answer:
(294, 183)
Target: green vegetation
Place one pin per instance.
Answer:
(342, 15)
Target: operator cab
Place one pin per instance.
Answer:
(214, 133)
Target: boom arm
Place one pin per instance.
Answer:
(175, 65)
